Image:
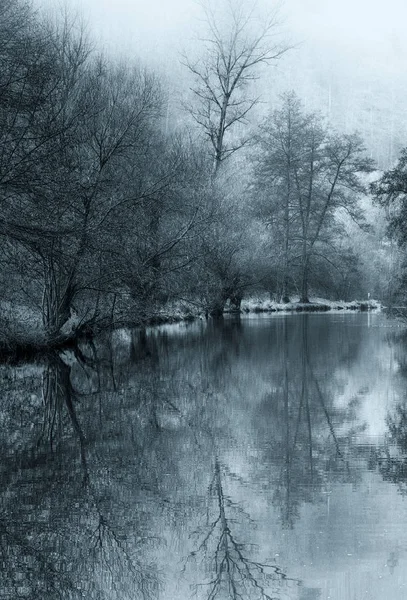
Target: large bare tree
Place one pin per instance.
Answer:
(235, 47)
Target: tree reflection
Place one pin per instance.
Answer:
(59, 400)
(62, 535)
(392, 457)
(305, 444)
(233, 572)
(116, 450)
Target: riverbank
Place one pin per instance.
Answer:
(21, 336)
(182, 313)
(264, 305)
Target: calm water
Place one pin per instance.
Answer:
(257, 459)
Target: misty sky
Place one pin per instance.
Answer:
(349, 62)
(160, 28)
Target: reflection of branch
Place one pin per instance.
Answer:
(319, 392)
(105, 538)
(326, 413)
(78, 430)
(304, 391)
(235, 575)
(58, 391)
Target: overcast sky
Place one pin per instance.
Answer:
(160, 28)
(349, 64)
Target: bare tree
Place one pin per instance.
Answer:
(100, 161)
(231, 61)
(308, 177)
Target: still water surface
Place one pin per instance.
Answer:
(253, 459)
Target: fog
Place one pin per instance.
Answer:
(373, 29)
(348, 59)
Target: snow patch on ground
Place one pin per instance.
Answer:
(264, 304)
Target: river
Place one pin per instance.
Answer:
(249, 459)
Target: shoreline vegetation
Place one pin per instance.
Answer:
(160, 220)
(19, 342)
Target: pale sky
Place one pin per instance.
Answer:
(349, 63)
(161, 27)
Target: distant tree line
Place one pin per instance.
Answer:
(109, 215)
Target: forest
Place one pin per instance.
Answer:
(117, 209)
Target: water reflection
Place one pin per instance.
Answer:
(392, 456)
(234, 460)
(309, 433)
(228, 562)
(63, 535)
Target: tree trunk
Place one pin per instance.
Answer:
(304, 284)
(235, 302)
(304, 275)
(217, 308)
(285, 298)
(57, 301)
(217, 305)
